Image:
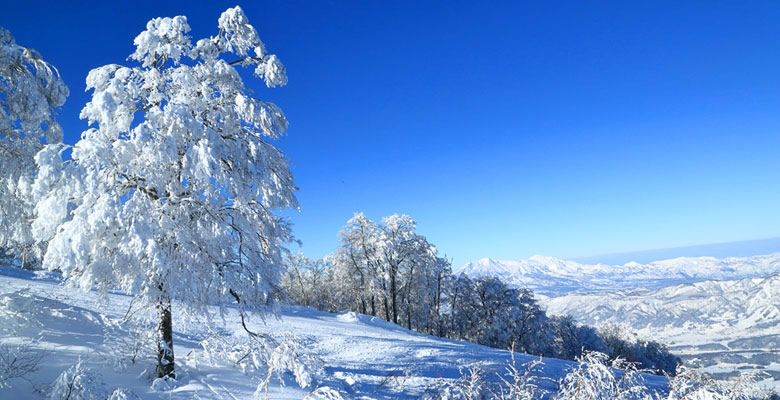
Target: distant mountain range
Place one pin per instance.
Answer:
(720, 326)
(551, 276)
(751, 303)
(718, 314)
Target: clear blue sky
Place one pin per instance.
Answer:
(505, 129)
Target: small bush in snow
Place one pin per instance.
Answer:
(250, 353)
(595, 379)
(690, 384)
(78, 383)
(470, 386)
(324, 393)
(255, 353)
(163, 384)
(519, 382)
(288, 358)
(17, 361)
(123, 394)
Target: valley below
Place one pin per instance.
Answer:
(719, 315)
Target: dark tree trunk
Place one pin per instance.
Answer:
(387, 308)
(408, 315)
(165, 341)
(452, 310)
(393, 296)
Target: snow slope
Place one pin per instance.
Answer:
(554, 277)
(721, 326)
(361, 356)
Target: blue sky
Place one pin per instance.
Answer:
(505, 129)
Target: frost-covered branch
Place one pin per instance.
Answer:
(31, 92)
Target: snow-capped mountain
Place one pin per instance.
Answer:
(751, 303)
(553, 277)
(721, 326)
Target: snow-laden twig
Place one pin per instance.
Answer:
(17, 361)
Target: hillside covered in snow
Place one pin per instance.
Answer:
(551, 276)
(359, 356)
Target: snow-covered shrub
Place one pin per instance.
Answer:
(264, 356)
(78, 383)
(324, 393)
(287, 358)
(17, 361)
(248, 352)
(471, 385)
(518, 384)
(691, 384)
(596, 379)
(164, 384)
(123, 394)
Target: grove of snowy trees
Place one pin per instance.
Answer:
(389, 271)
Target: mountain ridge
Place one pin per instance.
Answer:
(718, 326)
(552, 276)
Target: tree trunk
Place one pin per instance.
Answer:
(387, 307)
(408, 315)
(165, 341)
(452, 310)
(393, 296)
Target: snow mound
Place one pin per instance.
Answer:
(348, 317)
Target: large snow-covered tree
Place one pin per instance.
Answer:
(172, 194)
(30, 92)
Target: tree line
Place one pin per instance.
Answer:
(388, 270)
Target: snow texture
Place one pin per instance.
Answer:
(362, 357)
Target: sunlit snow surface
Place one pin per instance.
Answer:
(363, 357)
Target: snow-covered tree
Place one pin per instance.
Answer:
(172, 195)
(305, 281)
(358, 267)
(30, 92)
(383, 268)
